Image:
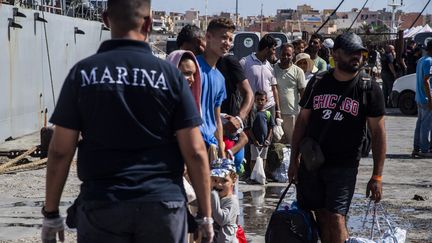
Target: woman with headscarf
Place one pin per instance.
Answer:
(186, 62)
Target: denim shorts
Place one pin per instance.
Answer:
(328, 188)
(127, 222)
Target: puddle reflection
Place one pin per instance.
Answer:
(257, 205)
(38, 204)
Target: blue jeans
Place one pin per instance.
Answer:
(423, 128)
(238, 158)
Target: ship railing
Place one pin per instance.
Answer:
(50, 9)
(49, 6)
(157, 51)
(75, 8)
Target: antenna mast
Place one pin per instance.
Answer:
(394, 4)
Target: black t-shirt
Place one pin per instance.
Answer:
(372, 58)
(324, 53)
(411, 60)
(386, 60)
(127, 104)
(341, 124)
(233, 73)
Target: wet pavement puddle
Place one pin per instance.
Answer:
(22, 219)
(257, 205)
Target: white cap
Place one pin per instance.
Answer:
(328, 43)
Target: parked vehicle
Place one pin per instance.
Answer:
(403, 94)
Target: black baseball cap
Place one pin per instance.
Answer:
(349, 42)
(428, 45)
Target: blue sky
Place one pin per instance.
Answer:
(253, 7)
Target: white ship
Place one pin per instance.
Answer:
(37, 49)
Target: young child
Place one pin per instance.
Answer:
(262, 129)
(225, 206)
(234, 144)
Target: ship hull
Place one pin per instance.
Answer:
(34, 62)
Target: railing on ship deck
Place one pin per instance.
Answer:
(90, 10)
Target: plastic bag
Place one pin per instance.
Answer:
(397, 236)
(241, 237)
(281, 173)
(258, 173)
(277, 130)
(359, 240)
(391, 235)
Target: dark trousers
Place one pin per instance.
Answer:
(132, 222)
(387, 85)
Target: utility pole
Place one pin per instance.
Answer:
(394, 4)
(206, 23)
(237, 15)
(262, 19)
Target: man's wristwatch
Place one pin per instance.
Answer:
(50, 215)
(241, 125)
(240, 120)
(205, 220)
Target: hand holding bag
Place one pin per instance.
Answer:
(277, 130)
(391, 235)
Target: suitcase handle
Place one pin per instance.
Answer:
(284, 194)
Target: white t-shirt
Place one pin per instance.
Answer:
(260, 76)
(290, 81)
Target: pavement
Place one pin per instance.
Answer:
(22, 194)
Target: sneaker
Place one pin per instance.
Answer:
(415, 153)
(425, 154)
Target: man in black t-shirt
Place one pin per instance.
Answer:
(239, 100)
(334, 114)
(413, 54)
(139, 124)
(389, 72)
(191, 38)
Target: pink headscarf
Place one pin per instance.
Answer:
(175, 58)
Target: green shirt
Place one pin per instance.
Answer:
(290, 81)
(320, 64)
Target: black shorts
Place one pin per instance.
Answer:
(328, 188)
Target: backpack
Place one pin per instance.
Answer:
(268, 116)
(366, 87)
(290, 224)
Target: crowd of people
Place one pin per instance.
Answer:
(145, 128)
